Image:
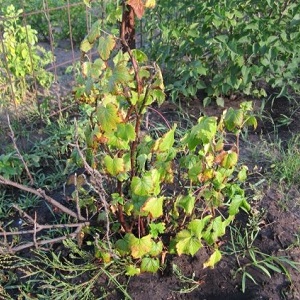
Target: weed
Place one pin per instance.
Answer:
(21, 57)
(249, 257)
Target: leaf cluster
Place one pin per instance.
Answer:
(117, 90)
(225, 48)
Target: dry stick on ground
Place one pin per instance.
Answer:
(12, 136)
(41, 193)
(18, 248)
(37, 227)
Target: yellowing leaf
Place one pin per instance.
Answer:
(154, 206)
(213, 259)
(108, 117)
(230, 160)
(150, 3)
(114, 165)
(140, 247)
(86, 46)
(105, 46)
(132, 270)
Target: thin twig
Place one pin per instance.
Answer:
(13, 138)
(39, 243)
(40, 193)
(40, 227)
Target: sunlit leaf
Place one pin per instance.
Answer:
(230, 160)
(132, 270)
(114, 165)
(213, 259)
(105, 46)
(166, 142)
(94, 32)
(120, 74)
(233, 118)
(156, 229)
(197, 226)
(148, 184)
(150, 264)
(150, 3)
(154, 206)
(242, 175)
(108, 116)
(140, 247)
(156, 248)
(125, 131)
(86, 46)
(187, 243)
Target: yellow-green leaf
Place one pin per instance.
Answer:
(154, 206)
(187, 243)
(230, 160)
(105, 46)
(150, 264)
(114, 165)
(213, 259)
(140, 247)
(150, 3)
(108, 117)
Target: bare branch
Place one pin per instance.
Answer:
(40, 193)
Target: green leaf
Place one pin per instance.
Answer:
(216, 229)
(233, 119)
(220, 101)
(105, 46)
(154, 206)
(148, 184)
(139, 55)
(125, 132)
(140, 247)
(95, 32)
(206, 129)
(156, 229)
(132, 270)
(186, 243)
(120, 74)
(166, 142)
(123, 245)
(187, 203)
(213, 259)
(230, 160)
(235, 204)
(114, 165)
(108, 117)
(85, 46)
(156, 248)
(197, 226)
(242, 175)
(150, 264)
(251, 121)
(195, 171)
